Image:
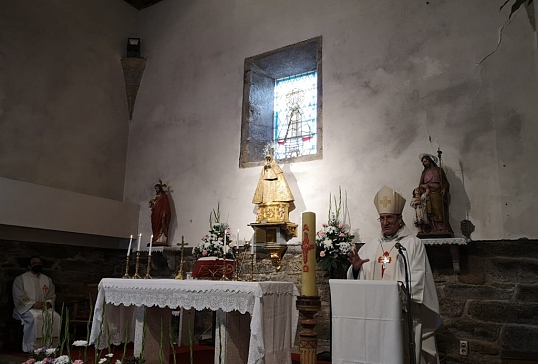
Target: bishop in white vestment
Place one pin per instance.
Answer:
(34, 295)
(379, 259)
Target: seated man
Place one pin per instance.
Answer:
(34, 295)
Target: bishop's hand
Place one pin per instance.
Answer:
(356, 260)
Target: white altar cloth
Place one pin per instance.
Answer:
(271, 305)
(367, 322)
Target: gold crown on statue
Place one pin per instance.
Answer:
(388, 201)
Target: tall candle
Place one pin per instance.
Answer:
(129, 248)
(139, 239)
(225, 248)
(150, 244)
(237, 238)
(309, 287)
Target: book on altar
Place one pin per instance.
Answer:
(213, 268)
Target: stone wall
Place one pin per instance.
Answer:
(491, 304)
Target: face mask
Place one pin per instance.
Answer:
(37, 268)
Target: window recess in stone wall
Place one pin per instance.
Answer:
(282, 102)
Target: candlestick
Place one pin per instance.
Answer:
(139, 240)
(252, 259)
(150, 244)
(126, 275)
(129, 248)
(137, 265)
(309, 287)
(182, 245)
(147, 276)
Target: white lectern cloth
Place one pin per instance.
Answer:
(367, 322)
(271, 305)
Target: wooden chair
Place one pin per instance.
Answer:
(81, 314)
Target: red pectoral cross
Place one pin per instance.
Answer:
(384, 260)
(45, 289)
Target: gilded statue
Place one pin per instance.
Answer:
(273, 197)
(272, 185)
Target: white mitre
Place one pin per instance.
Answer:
(388, 201)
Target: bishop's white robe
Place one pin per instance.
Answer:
(425, 304)
(29, 288)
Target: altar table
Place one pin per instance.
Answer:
(271, 305)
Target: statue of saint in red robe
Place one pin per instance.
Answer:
(160, 215)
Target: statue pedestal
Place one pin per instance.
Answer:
(454, 244)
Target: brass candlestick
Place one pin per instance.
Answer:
(147, 276)
(137, 265)
(252, 259)
(236, 269)
(182, 245)
(126, 275)
(224, 269)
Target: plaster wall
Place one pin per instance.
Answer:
(63, 110)
(399, 78)
(64, 124)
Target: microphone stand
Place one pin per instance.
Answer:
(412, 354)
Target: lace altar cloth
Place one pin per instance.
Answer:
(443, 241)
(271, 305)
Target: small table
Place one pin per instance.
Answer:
(454, 244)
(271, 306)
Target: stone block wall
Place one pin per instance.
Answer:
(492, 304)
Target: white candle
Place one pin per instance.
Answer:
(150, 243)
(237, 238)
(139, 239)
(129, 248)
(225, 249)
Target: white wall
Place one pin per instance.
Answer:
(46, 208)
(64, 124)
(63, 111)
(399, 78)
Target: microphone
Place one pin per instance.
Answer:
(399, 246)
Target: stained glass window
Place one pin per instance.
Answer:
(295, 114)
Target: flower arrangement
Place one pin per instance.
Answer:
(47, 355)
(217, 243)
(334, 240)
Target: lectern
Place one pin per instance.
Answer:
(367, 323)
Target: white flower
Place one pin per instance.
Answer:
(328, 243)
(110, 355)
(80, 343)
(118, 361)
(50, 351)
(64, 359)
(103, 360)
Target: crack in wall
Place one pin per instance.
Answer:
(498, 44)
